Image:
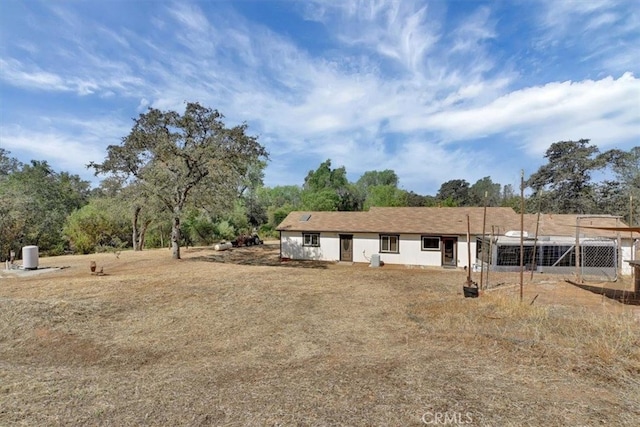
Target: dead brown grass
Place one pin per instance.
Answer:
(243, 340)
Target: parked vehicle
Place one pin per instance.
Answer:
(246, 240)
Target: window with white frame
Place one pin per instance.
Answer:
(389, 243)
(310, 239)
(430, 243)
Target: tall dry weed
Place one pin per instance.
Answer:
(603, 345)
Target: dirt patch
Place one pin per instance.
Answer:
(239, 338)
(267, 254)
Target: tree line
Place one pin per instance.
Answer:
(188, 179)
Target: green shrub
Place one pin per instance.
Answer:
(225, 231)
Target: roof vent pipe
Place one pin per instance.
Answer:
(516, 233)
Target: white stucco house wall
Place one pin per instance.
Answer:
(405, 236)
(433, 237)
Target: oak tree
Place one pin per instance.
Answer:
(178, 157)
(566, 179)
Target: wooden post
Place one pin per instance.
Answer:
(635, 265)
(535, 244)
(631, 210)
(468, 252)
(490, 263)
(576, 250)
(635, 270)
(521, 235)
(484, 222)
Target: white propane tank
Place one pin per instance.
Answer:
(222, 246)
(30, 257)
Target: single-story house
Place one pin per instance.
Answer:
(443, 236)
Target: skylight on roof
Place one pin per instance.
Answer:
(305, 217)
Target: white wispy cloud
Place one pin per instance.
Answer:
(61, 149)
(400, 85)
(401, 30)
(605, 110)
(93, 74)
(603, 33)
(477, 28)
(17, 74)
(68, 142)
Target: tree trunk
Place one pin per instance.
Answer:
(134, 226)
(175, 237)
(143, 233)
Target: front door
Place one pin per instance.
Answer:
(449, 255)
(346, 248)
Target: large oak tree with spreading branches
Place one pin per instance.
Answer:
(180, 158)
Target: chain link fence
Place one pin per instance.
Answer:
(569, 252)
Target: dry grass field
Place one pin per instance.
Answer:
(238, 338)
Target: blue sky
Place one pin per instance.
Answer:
(435, 90)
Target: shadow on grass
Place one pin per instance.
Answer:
(262, 255)
(625, 297)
